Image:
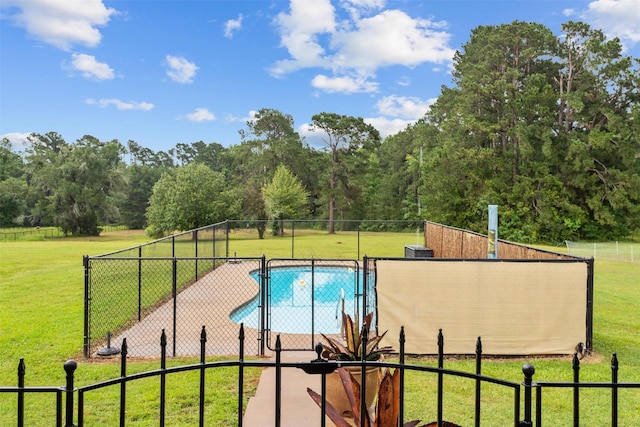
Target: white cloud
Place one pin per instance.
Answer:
(616, 18)
(388, 127)
(406, 107)
(314, 137)
(299, 33)
(201, 115)
(231, 25)
(367, 39)
(317, 137)
(181, 70)
(121, 105)
(391, 38)
(230, 118)
(62, 23)
(356, 7)
(404, 81)
(18, 140)
(343, 84)
(90, 68)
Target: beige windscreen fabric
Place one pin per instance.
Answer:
(517, 308)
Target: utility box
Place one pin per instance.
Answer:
(417, 251)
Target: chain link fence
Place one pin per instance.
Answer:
(200, 277)
(138, 298)
(610, 251)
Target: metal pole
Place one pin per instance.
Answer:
(139, 283)
(313, 305)
(196, 255)
(293, 240)
(278, 381)
(69, 367)
(203, 343)
(576, 390)
(21, 373)
(614, 390)
(358, 240)
(478, 382)
(401, 406)
(85, 262)
(227, 238)
(440, 376)
(174, 290)
(241, 373)
(163, 376)
(123, 384)
(528, 371)
(263, 302)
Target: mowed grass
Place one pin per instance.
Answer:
(41, 320)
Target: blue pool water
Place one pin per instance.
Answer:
(292, 290)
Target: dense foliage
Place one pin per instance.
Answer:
(545, 126)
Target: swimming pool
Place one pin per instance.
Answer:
(302, 300)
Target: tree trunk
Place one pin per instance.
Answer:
(332, 226)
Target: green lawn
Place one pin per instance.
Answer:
(41, 320)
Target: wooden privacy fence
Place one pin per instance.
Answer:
(451, 242)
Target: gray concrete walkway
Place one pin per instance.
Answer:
(297, 407)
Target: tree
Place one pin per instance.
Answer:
(11, 163)
(400, 161)
(284, 197)
(597, 132)
(135, 196)
(542, 126)
(12, 201)
(13, 186)
(346, 137)
(189, 197)
(268, 141)
(75, 184)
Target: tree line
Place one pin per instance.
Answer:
(545, 126)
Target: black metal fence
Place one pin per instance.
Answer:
(527, 404)
(295, 298)
(159, 281)
(37, 233)
(137, 297)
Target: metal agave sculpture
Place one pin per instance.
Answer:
(353, 348)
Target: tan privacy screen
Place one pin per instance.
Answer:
(517, 308)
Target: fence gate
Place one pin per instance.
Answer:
(304, 298)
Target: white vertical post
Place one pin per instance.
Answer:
(492, 250)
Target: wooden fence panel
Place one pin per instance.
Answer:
(451, 242)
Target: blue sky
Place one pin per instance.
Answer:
(162, 72)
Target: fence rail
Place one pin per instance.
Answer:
(12, 235)
(524, 399)
(21, 233)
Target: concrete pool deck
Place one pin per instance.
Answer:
(208, 302)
